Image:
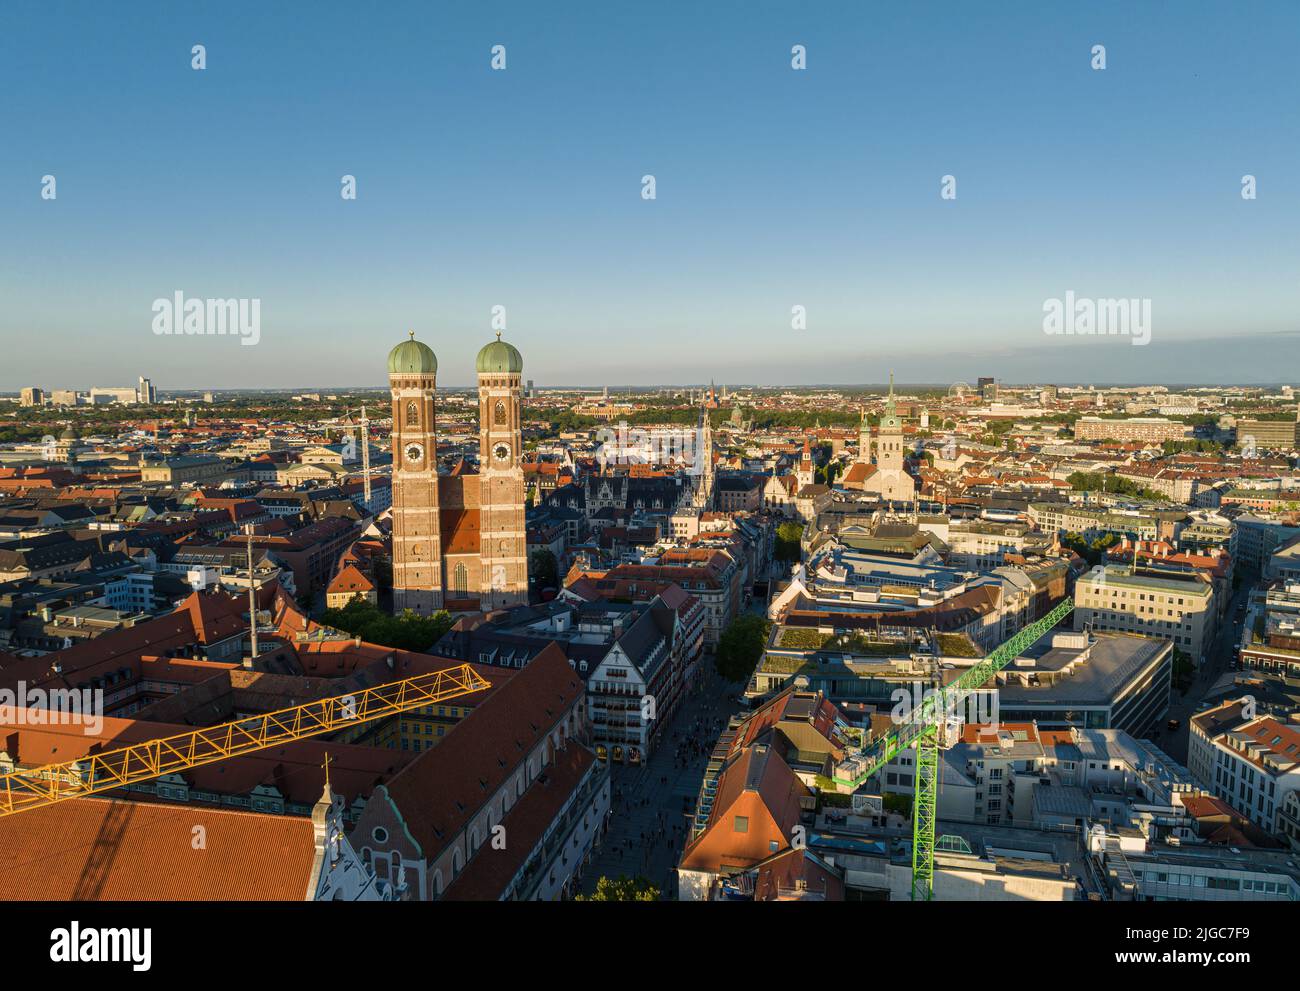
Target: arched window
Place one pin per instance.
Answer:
(499, 414)
(413, 415)
(460, 581)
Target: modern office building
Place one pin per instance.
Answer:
(1179, 608)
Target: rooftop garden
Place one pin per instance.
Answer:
(801, 638)
(857, 643)
(956, 645)
(776, 664)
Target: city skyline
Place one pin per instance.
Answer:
(735, 451)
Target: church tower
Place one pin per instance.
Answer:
(804, 475)
(417, 538)
(503, 535)
(702, 497)
(889, 446)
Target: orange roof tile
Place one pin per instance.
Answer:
(105, 850)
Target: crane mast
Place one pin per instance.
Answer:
(922, 732)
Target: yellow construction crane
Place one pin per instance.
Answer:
(41, 786)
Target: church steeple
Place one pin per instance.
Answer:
(890, 421)
(804, 474)
(702, 497)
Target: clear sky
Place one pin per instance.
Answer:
(774, 188)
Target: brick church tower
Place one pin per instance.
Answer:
(417, 538)
(503, 537)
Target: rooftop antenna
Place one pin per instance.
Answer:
(252, 598)
(365, 456)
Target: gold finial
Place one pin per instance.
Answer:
(498, 335)
(327, 762)
(412, 333)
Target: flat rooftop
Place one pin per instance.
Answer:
(1113, 660)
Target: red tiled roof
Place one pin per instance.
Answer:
(460, 531)
(442, 789)
(105, 850)
(489, 871)
(203, 618)
(350, 579)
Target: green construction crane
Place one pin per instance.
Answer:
(922, 732)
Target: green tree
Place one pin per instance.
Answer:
(622, 889)
(787, 547)
(1095, 481)
(740, 646)
(1093, 551)
(567, 421)
(827, 474)
(543, 569)
(409, 631)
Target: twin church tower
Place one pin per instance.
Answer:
(459, 539)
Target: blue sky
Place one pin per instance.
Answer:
(775, 188)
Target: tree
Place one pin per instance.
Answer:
(1093, 551)
(409, 631)
(567, 421)
(827, 474)
(788, 537)
(622, 889)
(1093, 481)
(543, 569)
(740, 647)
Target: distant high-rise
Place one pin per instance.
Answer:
(145, 392)
(32, 396)
(100, 396)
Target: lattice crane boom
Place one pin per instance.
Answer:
(94, 773)
(921, 733)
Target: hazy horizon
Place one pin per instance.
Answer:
(816, 190)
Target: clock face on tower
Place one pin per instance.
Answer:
(414, 454)
(501, 452)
